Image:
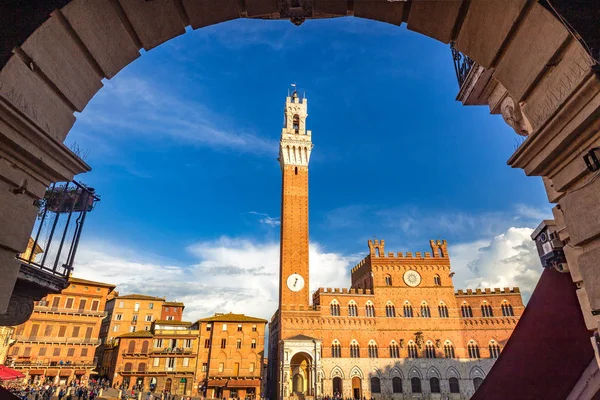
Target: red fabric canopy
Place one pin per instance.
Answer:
(8, 374)
(548, 350)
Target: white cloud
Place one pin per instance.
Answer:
(266, 219)
(234, 275)
(509, 259)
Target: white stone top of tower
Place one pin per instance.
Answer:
(296, 142)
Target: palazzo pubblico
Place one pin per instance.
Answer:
(400, 330)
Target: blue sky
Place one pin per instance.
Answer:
(183, 145)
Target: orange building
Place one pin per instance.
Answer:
(172, 311)
(58, 342)
(400, 329)
(231, 356)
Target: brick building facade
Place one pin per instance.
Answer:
(400, 330)
(58, 342)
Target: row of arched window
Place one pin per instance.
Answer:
(437, 281)
(413, 350)
(416, 386)
(425, 312)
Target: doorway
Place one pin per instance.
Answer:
(337, 386)
(168, 384)
(356, 387)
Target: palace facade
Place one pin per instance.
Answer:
(400, 331)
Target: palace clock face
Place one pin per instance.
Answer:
(412, 278)
(295, 282)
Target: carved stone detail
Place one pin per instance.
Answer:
(419, 339)
(19, 310)
(513, 115)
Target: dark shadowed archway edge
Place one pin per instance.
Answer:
(531, 69)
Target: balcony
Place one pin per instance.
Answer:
(48, 260)
(50, 364)
(45, 308)
(54, 339)
(171, 351)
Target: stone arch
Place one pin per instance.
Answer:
(337, 372)
(452, 372)
(356, 372)
(476, 372)
(433, 372)
(396, 371)
(414, 372)
(376, 372)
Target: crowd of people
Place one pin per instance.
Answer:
(75, 390)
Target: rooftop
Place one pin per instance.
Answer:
(173, 304)
(72, 279)
(141, 334)
(167, 322)
(219, 317)
(135, 296)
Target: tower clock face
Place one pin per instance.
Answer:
(412, 278)
(295, 282)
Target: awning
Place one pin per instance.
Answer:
(217, 382)
(548, 350)
(243, 383)
(8, 374)
(51, 372)
(36, 372)
(66, 372)
(80, 372)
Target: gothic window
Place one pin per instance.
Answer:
(394, 350)
(352, 310)
(449, 350)
(354, 350)
(425, 311)
(434, 384)
(372, 349)
(388, 280)
(429, 350)
(473, 350)
(375, 385)
(408, 311)
(370, 310)
(413, 351)
(415, 385)
(335, 309)
(494, 349)
(443, 311)
(486, 310)
(437, 281)
(477, 382)
(390, 310)
(336, 349)
(454, 386)
(296, 123)
(396, 385)
(507, 310)
(466, 311)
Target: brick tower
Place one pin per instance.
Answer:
(294, 155)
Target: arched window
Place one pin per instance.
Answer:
(131, 347)
(477, 382)
(473, 350)
(335, 308)
(429, 350)
(396, 385)
(145, 347)
(375, 385)
(370, 310)
(434, 384)
(425, 311)
(454, 387)
(466, 311)
(394, 350)
(507, 310)
(373, 349)
(336, 349)
(388, 280)
(443, 310)
(486, 310)
(390, 310)
(352, 309)
(354, 349)
(296, 123)
(494, 349)
(437, 281)
(142, 367)
(415, 385)
(408, 311)
(127, 367)
(412, 350)
(449, 350)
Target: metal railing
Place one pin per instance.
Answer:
(462, 64)
(57, 230)
(54, 339)
(44, 307)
